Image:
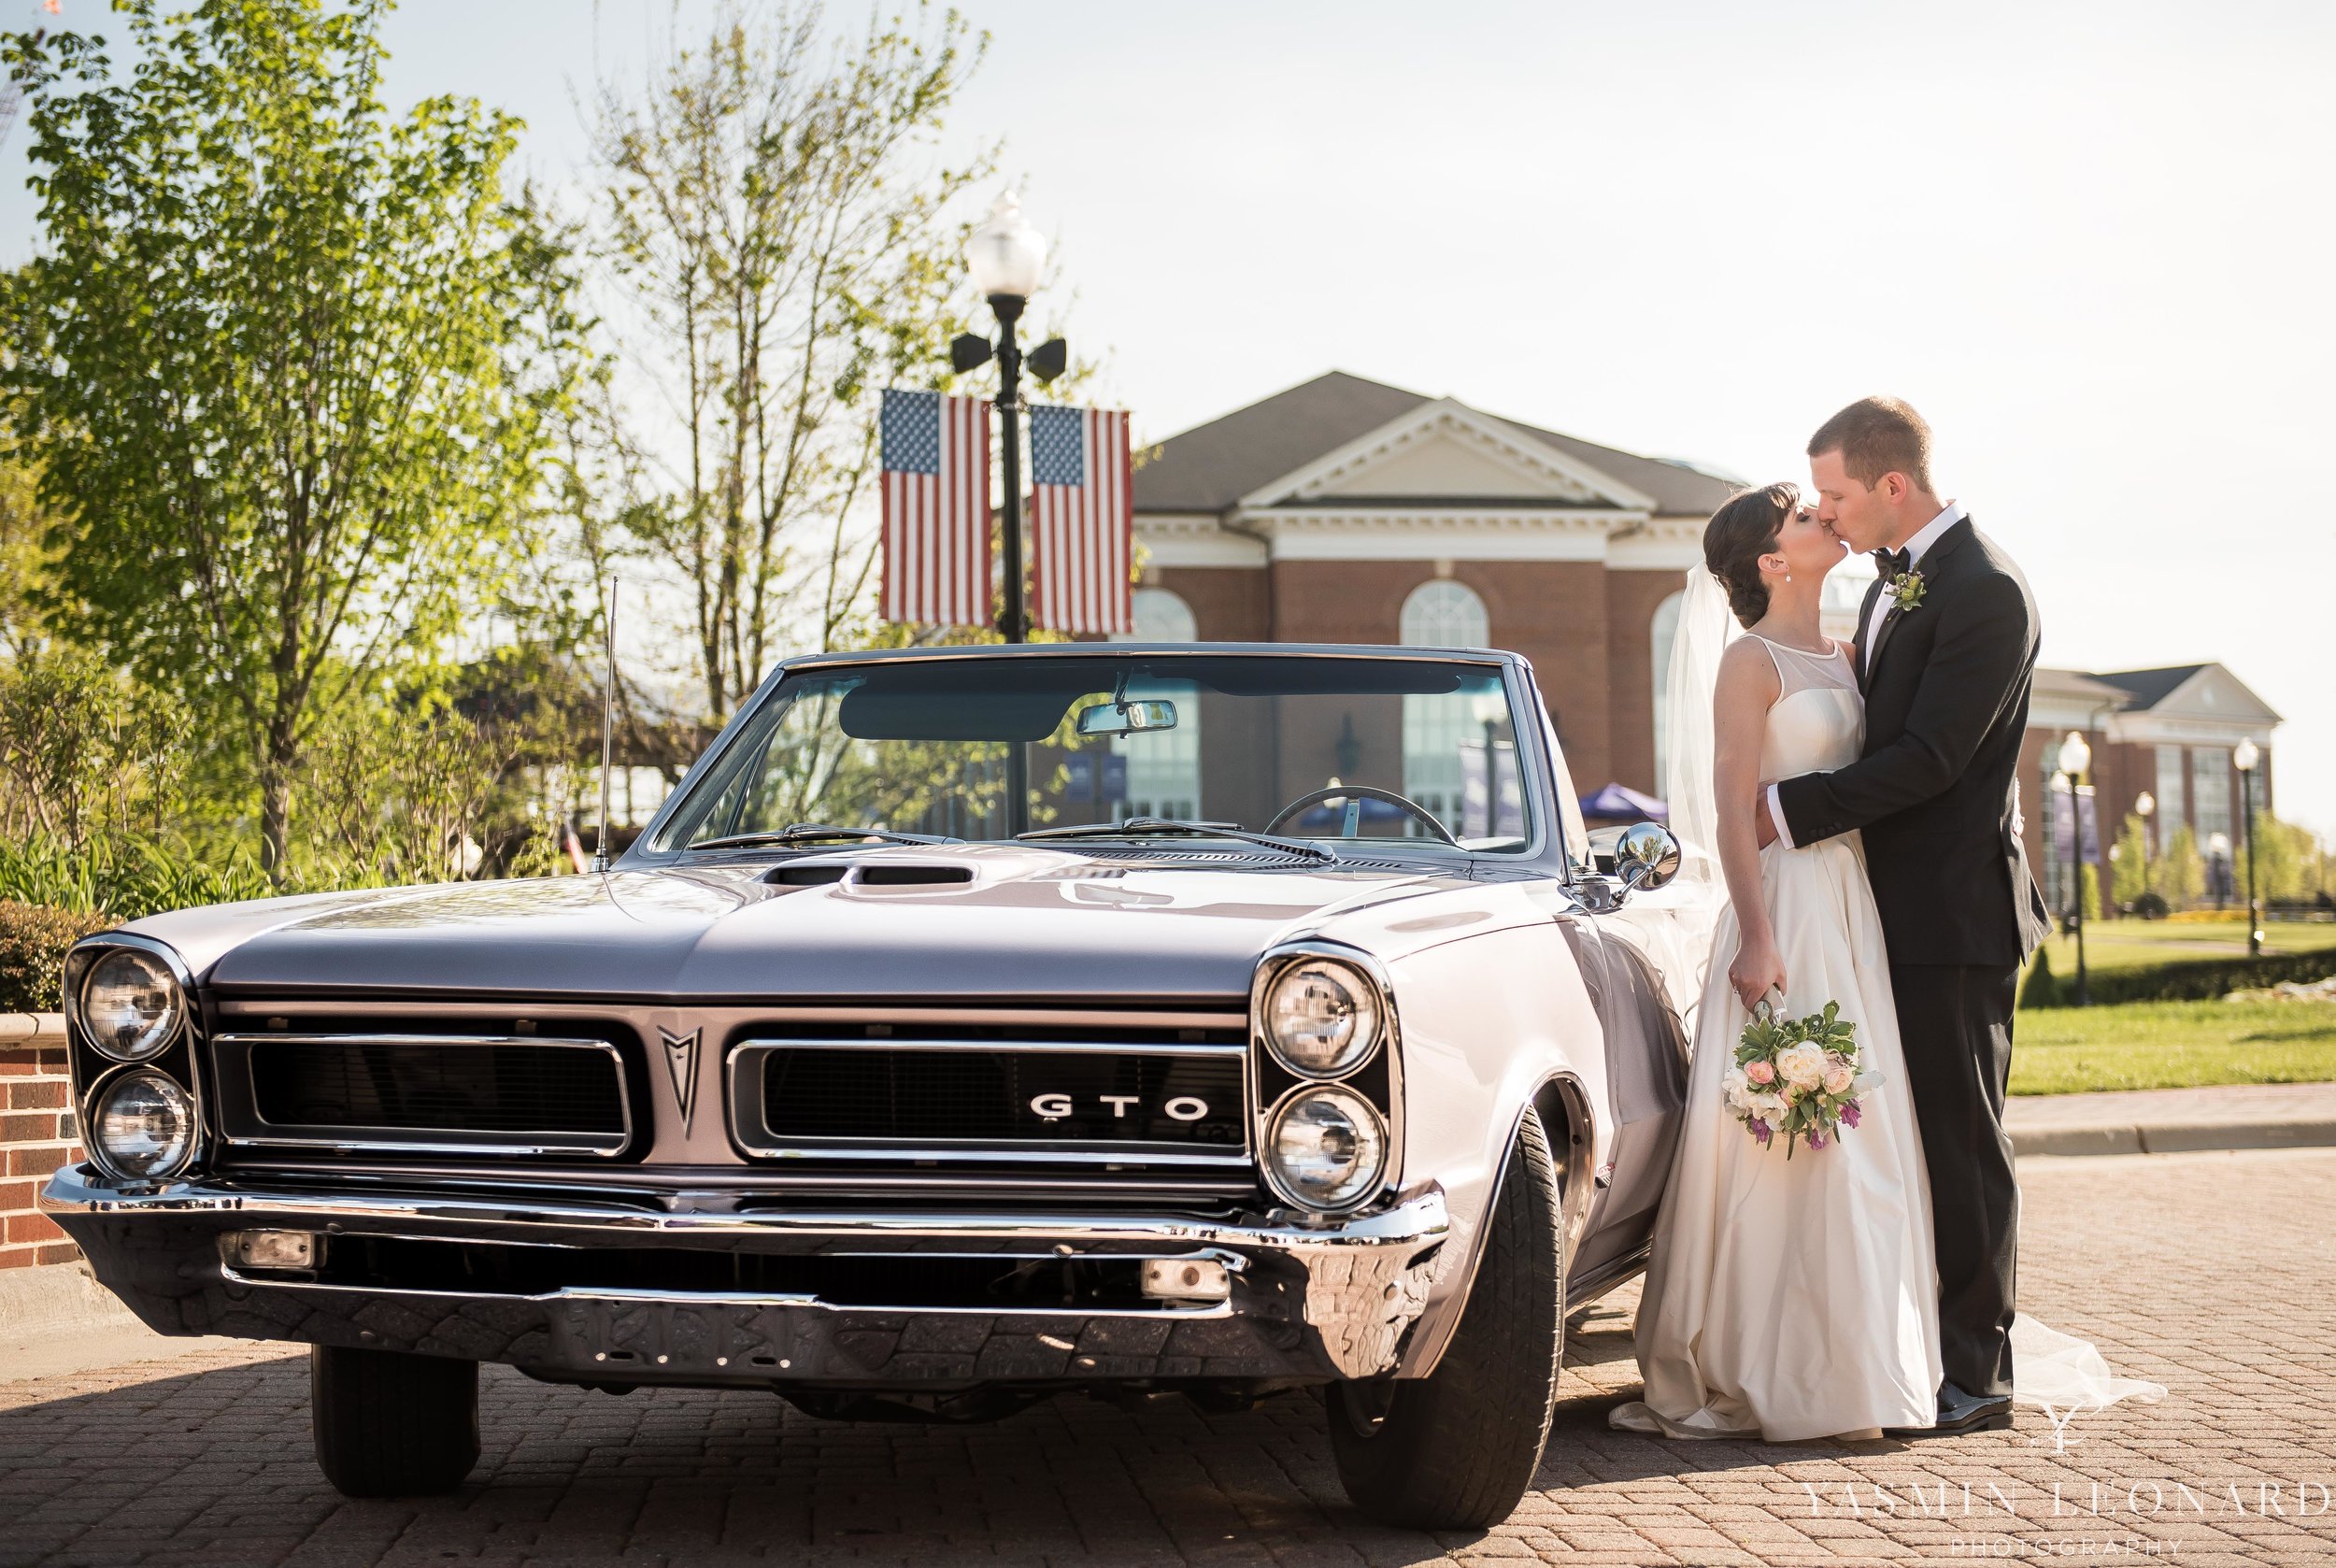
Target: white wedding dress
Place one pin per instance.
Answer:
(1798, 1298)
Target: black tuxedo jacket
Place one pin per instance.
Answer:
(1946, 686)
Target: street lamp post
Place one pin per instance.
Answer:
(2247, 757)
(2146, 807)
(2076, 757)
(1005, 257)
(1488, 710)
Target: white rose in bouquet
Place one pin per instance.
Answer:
(1734, 1086)
(1801, 1065)
(1770, 1109)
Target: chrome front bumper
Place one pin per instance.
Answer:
(1333, 1300)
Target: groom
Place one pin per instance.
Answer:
(1947, 647)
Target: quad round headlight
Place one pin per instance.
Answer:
(1321, 1018)
(130, 1004)
(143, 1128)
(1327, 1148)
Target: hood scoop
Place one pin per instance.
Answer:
(878, 875)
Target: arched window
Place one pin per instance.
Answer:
(1161, 616)
(1445, 614)
(1441, 614)
(1666, 632)
(1164, 771)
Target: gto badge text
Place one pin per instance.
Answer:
(1183, 1107)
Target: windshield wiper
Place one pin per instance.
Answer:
(1135, 827)
(816, 832)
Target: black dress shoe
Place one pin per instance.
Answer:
(1961, 1412)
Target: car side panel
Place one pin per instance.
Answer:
(1487, 1022)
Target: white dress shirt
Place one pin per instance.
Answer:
(1949, 515)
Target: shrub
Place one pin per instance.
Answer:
(33, 940)
(126, 876)
(2198, 980)
(2150, 906)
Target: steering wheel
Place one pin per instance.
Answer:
(1357, 793)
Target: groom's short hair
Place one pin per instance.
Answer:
(1877, 435)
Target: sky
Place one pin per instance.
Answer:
(2089, 242)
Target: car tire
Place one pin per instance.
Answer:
(1457, 1449)
(392, 1424)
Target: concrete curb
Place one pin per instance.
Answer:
(2174, 1137)
(2175, 1121)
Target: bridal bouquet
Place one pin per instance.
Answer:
(1796, 1076)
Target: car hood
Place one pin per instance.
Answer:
(1022, 923)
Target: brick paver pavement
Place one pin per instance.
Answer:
(2215, 1274)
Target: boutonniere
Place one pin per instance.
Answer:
(1906, 587)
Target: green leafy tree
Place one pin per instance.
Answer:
(2284, 854)
(2181, 871)
(787, 242)
(2131, 871)
(272, 354)
(24, 550)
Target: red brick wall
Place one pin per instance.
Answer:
(36, 1137)
(1632, 600)
(1229, 603)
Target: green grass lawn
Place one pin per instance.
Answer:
(2111, 944)
(2172, 1045)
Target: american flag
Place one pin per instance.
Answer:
(936, 508)
(1082, 518)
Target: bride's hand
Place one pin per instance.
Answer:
(1758, 969)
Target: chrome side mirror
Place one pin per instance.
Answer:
(1645, 857)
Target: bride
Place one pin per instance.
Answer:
(1794, 1299)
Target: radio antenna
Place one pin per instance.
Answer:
(607, 732)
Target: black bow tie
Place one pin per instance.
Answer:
(1893, 562)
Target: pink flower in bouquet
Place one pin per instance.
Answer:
(1837, 1076)
(1817, 1140)
(1849, 1114)
(1760, 1072)
(1761, 1130)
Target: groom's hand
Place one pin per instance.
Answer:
(1763, 825)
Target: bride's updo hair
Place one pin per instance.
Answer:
(1746, 528)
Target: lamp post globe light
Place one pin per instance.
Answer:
(2146, 807)
(2246, 758)
(2076, 757)
(1005, 257)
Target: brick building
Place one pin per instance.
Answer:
(1347, 510)
(2169, 733)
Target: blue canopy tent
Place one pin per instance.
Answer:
(1619, 802)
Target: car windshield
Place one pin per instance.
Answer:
(1259, 743)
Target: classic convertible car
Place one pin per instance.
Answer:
(971, 1026)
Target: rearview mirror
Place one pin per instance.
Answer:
(1122, 718)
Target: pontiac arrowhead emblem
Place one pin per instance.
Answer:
(681, 1062)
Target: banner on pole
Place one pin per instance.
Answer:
(935, 458)
(1082, 518)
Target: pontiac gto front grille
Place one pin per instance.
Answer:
(418, 1093)
(1044, 1101)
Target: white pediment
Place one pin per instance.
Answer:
(2215, 693)
(1448, 451)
